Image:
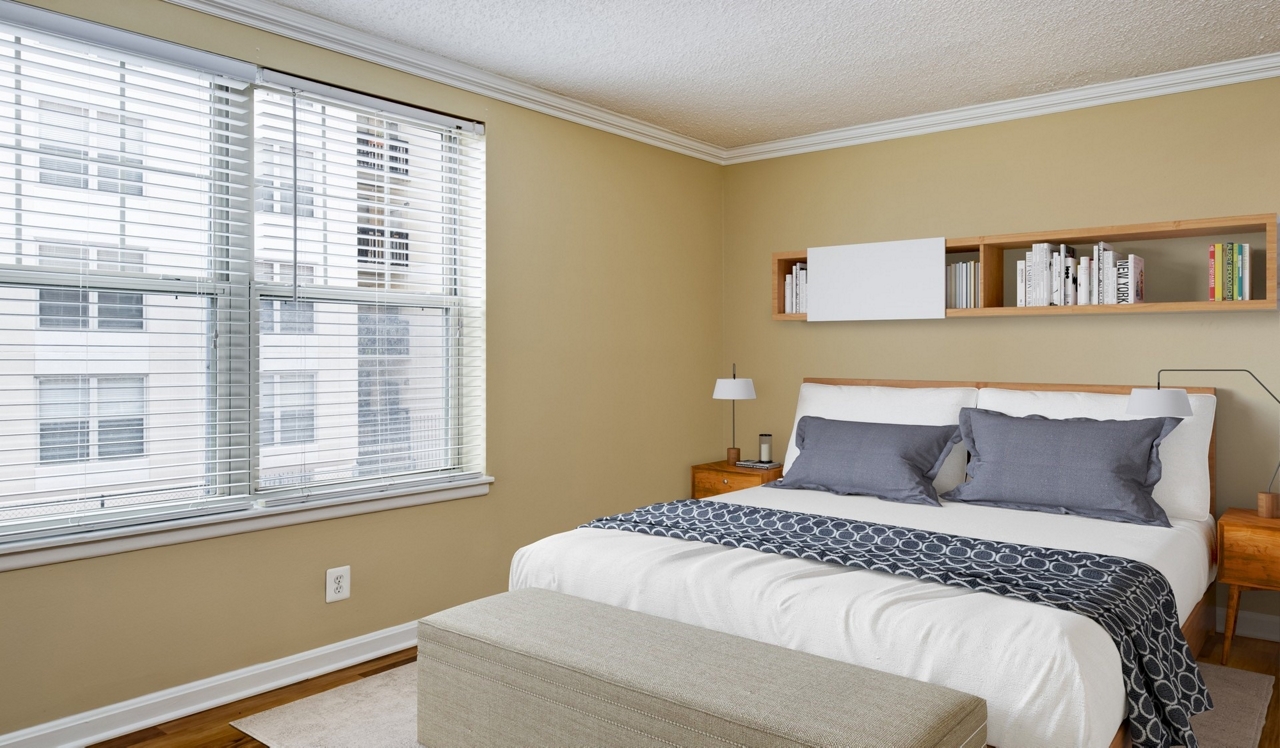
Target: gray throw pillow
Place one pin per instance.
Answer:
(1100, 469)
(890, 461)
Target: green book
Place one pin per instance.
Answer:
(1240, 260)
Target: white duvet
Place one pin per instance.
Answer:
(1050, 678)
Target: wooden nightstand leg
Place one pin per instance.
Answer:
(1233, 607)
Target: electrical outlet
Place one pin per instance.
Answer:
(337, 584)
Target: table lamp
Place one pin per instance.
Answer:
(733, 390)
(1161, 402)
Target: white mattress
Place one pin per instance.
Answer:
(1050, 678)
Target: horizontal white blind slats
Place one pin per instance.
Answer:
(125, 222)
(371, 368)
(213, 293)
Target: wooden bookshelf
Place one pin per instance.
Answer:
(991, 251)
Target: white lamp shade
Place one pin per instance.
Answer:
(1153, 403)
(734, 389)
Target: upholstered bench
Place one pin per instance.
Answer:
(539, 668)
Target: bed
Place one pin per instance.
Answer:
(1050, 677)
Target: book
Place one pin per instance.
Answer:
(788, 293)
(1094, 285)
(1069, 283)
(1213, 272)
(1129, 280)
(1239, 277)
(1226, 260)
(1248, 272)
(758, 465)
(1055, 298)
(1107, 274)
(1084, 281)
(802, 287)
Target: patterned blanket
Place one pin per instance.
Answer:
(1130, 600)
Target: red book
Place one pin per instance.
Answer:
(1213, 287)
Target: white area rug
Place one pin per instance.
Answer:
(381, 712)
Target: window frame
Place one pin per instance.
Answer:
(348, 498)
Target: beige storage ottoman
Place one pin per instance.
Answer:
(539, 668)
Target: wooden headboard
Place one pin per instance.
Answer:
(1100, 389)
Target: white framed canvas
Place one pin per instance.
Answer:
(879, 280)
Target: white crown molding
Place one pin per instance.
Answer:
(1098, 94)
(329, 35)
(305, 27)
(157, 708)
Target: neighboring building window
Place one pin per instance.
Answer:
(75, 308)
(78, 138)
(64, 419)
(288, 404)
(85, 418)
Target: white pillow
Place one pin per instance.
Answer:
(1183, 490)
(924, 406)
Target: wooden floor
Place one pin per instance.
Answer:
(212, 729)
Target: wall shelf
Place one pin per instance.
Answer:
(991, 251)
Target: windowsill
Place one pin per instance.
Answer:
(53, 550)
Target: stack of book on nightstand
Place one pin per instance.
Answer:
(758, 464)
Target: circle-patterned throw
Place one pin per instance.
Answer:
(1130, 600)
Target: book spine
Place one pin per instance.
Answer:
(1213, 267)
(1122, 282)
(1137, 280)
(802, 290)
(1026, 281)
(1240, 272)
(1093, 277)
(1056, 281)
(1086, 280)
(789, 306)
(1228, 271)
(1217, 272)
(1248, 271)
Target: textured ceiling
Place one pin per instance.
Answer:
(737, 73)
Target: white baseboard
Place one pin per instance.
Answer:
(1248, 623)
(162, 706)
(157, 708)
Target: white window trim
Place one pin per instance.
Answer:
(60, 548)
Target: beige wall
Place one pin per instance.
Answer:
(604, 278)
(667, 297)
(1201, 154)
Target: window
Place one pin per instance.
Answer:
(288, 408)
(69, 131)
(222, 295)
(75, 308)
(88, 418)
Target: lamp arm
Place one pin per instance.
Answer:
(1243, 371)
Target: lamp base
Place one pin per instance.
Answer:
(1269, 505)
(735, 454)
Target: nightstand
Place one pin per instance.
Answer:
(715, 478)
(1248, 558)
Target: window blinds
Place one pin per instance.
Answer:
(217, 294)
(369, 291)
(125, 213)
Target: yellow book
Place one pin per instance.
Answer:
(1217, 272)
